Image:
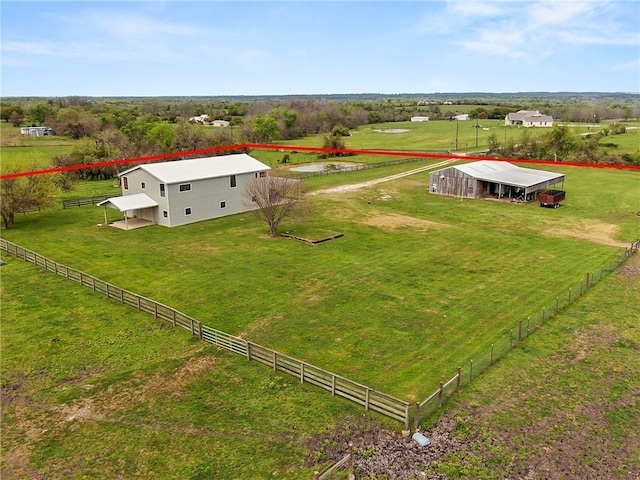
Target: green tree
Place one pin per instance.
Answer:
(162, 135)
(265, 129)
(12, 113)
(561, 142)
(41, 113)
(22, 194)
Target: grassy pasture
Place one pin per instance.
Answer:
(119, 394)
(418, 285)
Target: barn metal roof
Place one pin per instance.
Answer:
(508, 174)
(129, 202)
(201, 168)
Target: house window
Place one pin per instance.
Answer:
(254, 199)
(187, 211)
(165, 214)
(185, 187)
(232, 180)
(125, 183)
(162, 194)
(143, 185)
(263, 174)
(223, 204)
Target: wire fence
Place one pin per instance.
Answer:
(351, 168)
(515, 336)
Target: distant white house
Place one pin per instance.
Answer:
(186, 191)
(419, 119)
(36, 131)
(200, 118)
(461, 116)
(219, 123)
(529, 118)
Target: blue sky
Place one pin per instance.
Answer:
(59, 48)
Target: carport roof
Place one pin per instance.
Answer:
(129, 202)
(508, 174)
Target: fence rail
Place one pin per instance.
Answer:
(80, 201)
(515, 336)
(353, 168)
(339, 386)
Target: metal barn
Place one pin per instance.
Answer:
(491, 178)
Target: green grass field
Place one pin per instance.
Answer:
(418, 285)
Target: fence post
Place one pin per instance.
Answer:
(316, 475)
(416, 418)
(459, 380)
(350, 467)
(248, 350)
(543, 310)
(528, 326)
(333, 385)
(520, 331)
(557, 304)
(511, 338)
(491, 360)
(440, 394)
(569, 294)
(471, 370)
(275, 360)
(367, 395)
(301, 372)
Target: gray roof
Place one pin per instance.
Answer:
(201, 168)
(129, 202)
(508, 174)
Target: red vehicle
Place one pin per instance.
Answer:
(551, 198)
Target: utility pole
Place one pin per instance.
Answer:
(477, 126)
(456, 134)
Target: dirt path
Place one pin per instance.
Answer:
(369, 183)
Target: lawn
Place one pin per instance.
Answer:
(418, 285)
(93, 389)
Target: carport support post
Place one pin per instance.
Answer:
(106, 219)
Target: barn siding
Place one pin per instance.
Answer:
(451, 181)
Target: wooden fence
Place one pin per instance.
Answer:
(369, 398)
(80, 201)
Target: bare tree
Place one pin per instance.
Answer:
(273, 199)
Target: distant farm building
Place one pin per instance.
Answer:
(200, 118)
(185, 191)
(220, 123)
(490, 178)
(36, 131)
(462, 117)
(529, 118)
(419, 119)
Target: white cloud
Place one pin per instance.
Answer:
(632, 65)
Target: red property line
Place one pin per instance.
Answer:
(259, 146)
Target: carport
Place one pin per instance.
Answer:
(138, 210)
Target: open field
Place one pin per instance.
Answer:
(417, 286)
(440, 136)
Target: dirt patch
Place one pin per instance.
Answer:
(602, 233)
(393, 221)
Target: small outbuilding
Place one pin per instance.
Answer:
(493, 178)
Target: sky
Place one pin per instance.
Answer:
(194, 48)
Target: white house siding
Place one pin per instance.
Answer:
(205, 197)
(152, 190)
